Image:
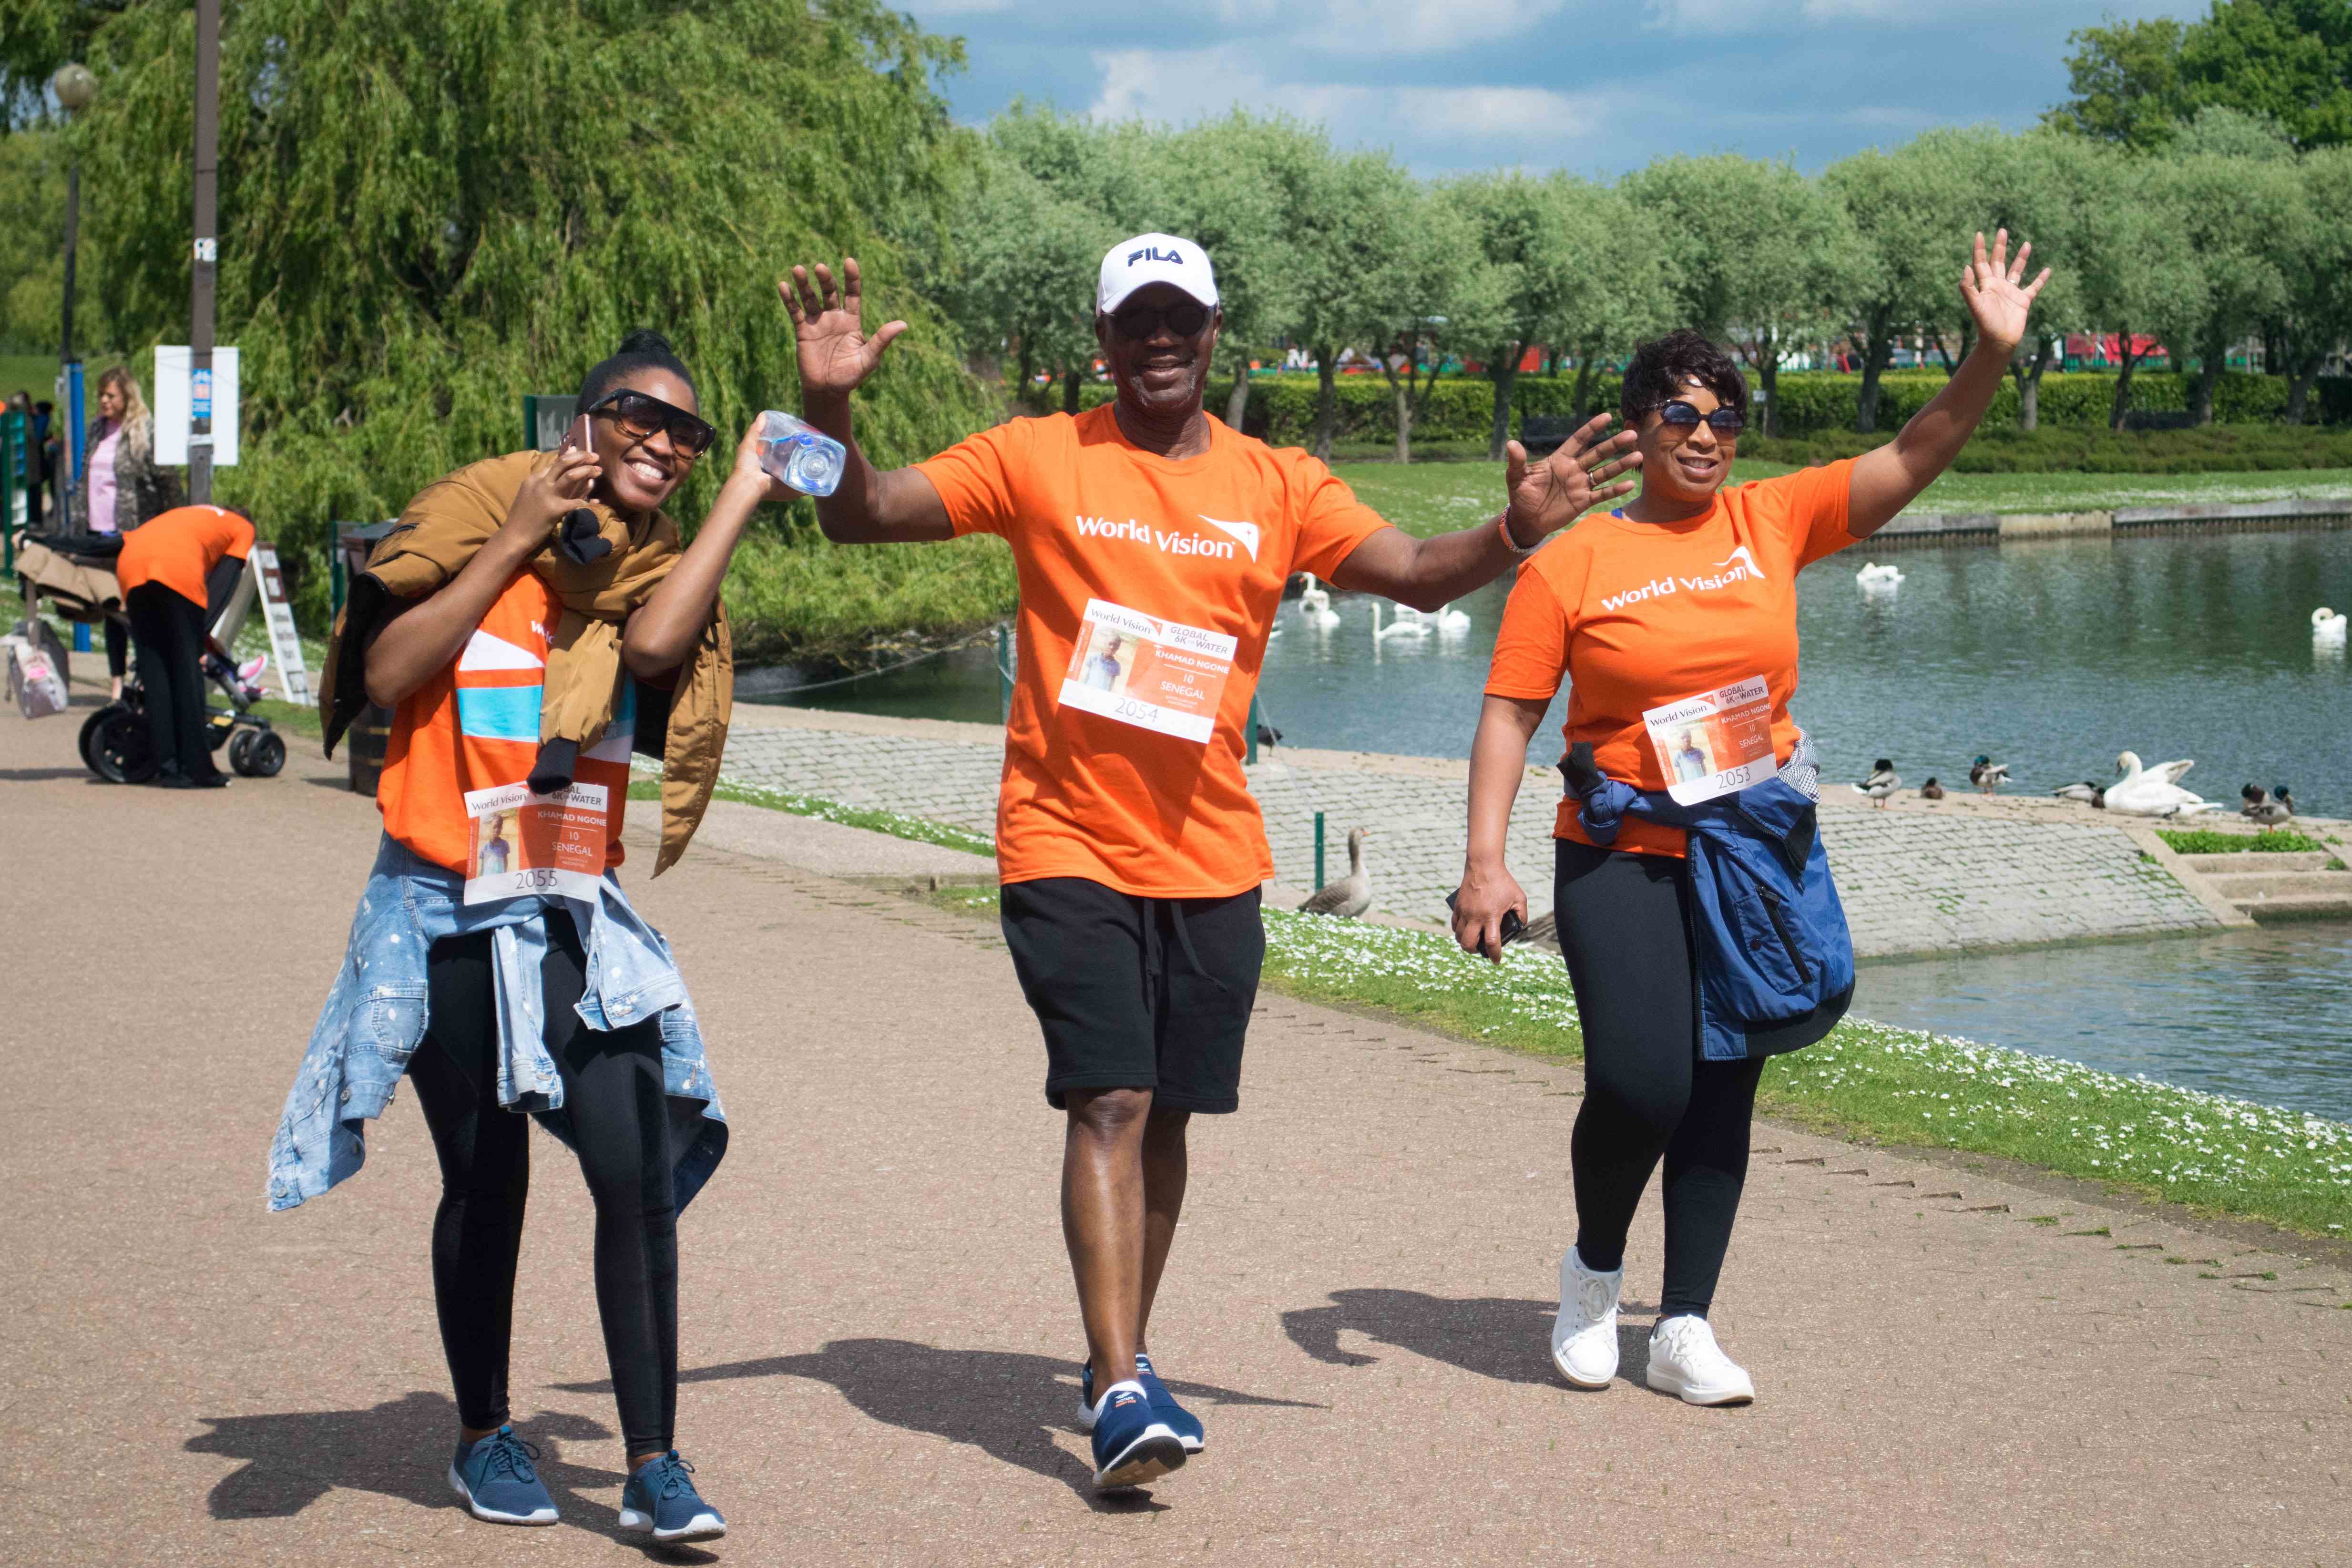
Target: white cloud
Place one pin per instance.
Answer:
(1177, 85)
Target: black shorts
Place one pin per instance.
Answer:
(1138, 993)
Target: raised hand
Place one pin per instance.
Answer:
(1995, 293)
(1550, 495)
(836, 355)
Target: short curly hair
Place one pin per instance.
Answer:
(1661, 368)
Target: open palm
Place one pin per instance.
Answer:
(1998, 296)
(1550, 494)
(836, 355)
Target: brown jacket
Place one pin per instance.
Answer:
(439, 533)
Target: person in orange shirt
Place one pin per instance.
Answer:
(1673, 622)
(1152, 544)
(177, 573)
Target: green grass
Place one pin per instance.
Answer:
(36, 373)
(1867, 1083)
(2206, 841)
(1423, 498)
(895, 824)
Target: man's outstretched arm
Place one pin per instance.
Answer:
(1545, 497)
(872, 506)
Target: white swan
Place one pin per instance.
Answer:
(2142, 791)
(1407, 623)
(1313, 597)
(1874, 577)
(2327, 626)
(1321, 620)
(1451, 622)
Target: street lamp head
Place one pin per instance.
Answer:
(74, 85)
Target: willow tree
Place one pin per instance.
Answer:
(430, 207)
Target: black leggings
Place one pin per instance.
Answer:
(1624, 928)
(118, 649)
(170, 632)
(614, 1094)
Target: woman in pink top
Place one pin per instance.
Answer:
(119, 486)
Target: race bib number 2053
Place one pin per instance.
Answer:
(1715, 742)
(1139, 669)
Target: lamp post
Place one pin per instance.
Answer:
(74, 87)
(207, 253)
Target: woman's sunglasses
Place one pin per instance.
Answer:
(1725, 421)
(639, 415)
(1137, 323)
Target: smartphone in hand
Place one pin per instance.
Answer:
(1511, 924)
(579, 437)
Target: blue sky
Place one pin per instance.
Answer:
(1593, 87)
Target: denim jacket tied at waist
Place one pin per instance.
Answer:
(375, 1016)
(1775, 959)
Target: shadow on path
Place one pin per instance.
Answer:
(1004, 1402)
(399, 1448)
(1510, 1340)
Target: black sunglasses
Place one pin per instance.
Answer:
(639, 414)
(1137, 323)
(1686, 416)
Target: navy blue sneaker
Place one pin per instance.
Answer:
(661, 1498)
(1180, 1421)
(1132, 1443)
(495, 1476)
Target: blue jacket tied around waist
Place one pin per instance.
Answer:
(1774, 958)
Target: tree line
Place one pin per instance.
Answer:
(2225, 231)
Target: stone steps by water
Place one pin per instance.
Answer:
(2278, 887)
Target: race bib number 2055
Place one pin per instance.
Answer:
(523, 844)
(1139, 669)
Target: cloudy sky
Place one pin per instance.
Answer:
(1595, 86)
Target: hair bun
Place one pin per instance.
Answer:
(644, 341)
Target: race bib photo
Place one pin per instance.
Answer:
(1715, 742)
(1158, 675)
(527, 844)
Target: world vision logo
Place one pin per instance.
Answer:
(1743, 569)
(1169, 541)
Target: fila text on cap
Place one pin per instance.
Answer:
(1154, 258)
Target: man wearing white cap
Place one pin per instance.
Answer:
(1129, 847)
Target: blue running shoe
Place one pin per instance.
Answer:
(495, 1476)
(1132, 1443)
(1180, 1421)
(661, 1498)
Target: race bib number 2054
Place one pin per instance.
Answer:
(1139, 669)
(523, 844)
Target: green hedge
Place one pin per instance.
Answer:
(1462, 408)
(2213, 449)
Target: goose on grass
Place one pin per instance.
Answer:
(1351, 895)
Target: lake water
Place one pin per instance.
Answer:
(2265, 1014)
(2051, 657)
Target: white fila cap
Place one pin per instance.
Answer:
(1154, 258)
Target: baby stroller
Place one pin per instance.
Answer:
(117, 746)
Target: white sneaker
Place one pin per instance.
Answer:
(1584, 1335)
(1685, 1361)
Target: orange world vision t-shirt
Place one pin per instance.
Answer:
(1147, 588)
(1640, 615)
(475, 726)
(179, 549)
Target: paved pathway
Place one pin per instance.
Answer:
(878, 1326)
(1919, 879)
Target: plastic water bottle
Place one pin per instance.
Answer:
(793, 454)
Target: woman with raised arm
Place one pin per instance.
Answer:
(533, 620)
(1693, 898)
